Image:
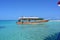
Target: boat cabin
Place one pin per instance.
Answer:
(30, 20)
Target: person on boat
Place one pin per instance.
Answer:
(22, 22)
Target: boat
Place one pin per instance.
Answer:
(31, 20)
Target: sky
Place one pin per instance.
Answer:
(12, 9)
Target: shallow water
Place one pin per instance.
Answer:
(9, 30)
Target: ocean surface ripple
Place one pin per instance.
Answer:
(9, 30)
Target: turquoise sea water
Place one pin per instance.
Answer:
(9, 30)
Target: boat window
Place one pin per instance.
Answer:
(32, 20)
(24, 20)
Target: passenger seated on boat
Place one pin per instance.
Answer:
(22, 22)
(29, 20)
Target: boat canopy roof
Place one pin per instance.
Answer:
(30, 18)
